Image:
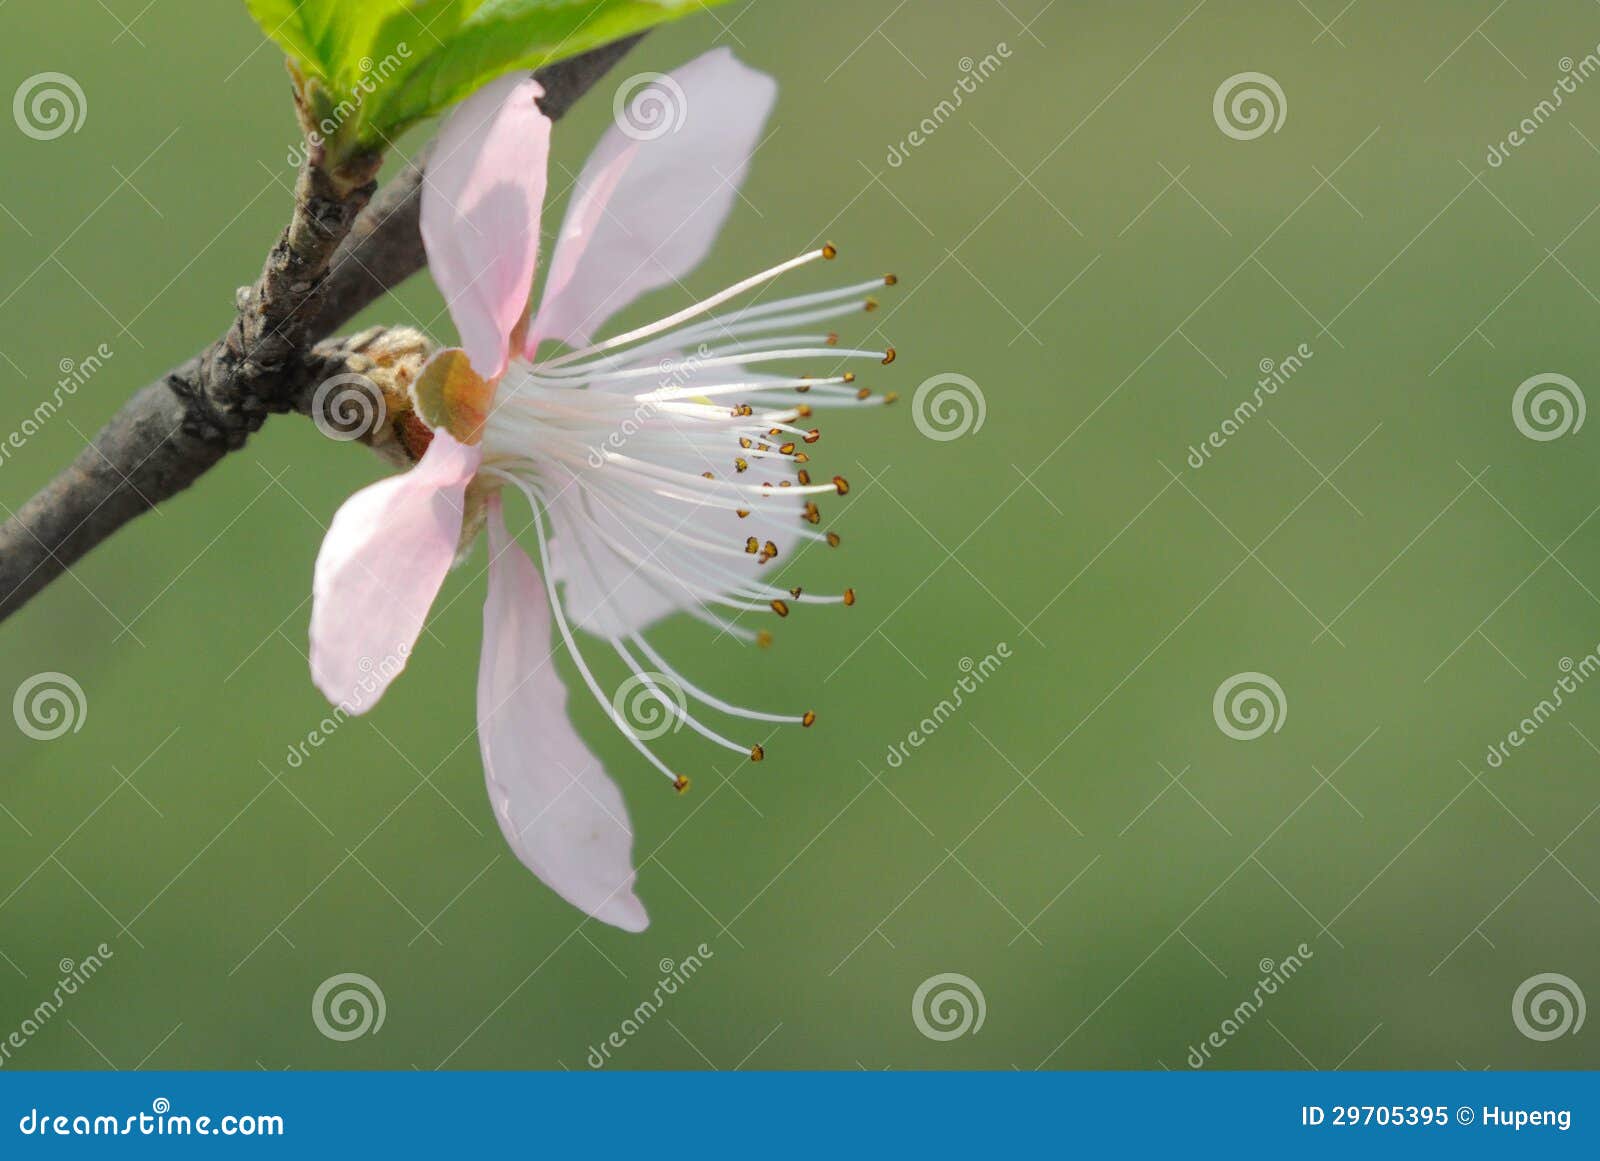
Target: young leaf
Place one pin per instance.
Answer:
(494, 37)
(326, 39)
(368, 70)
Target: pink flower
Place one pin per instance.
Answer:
(663, 489)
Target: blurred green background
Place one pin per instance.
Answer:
(1081, 840)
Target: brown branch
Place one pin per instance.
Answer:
(343, 249)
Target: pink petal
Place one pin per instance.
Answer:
(645, 212)
(562, 815)
(480, 213)
(381, 564)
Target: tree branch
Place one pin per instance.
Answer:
(343, 249)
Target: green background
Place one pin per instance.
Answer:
(1084, 243)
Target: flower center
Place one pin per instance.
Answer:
(670, 464)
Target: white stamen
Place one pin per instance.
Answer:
(666, 476)
(714, 702)
(689, 312)
(681, 713)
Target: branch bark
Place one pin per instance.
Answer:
(343, 249)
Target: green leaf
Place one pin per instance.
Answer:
(369, 69)
(325, 38)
